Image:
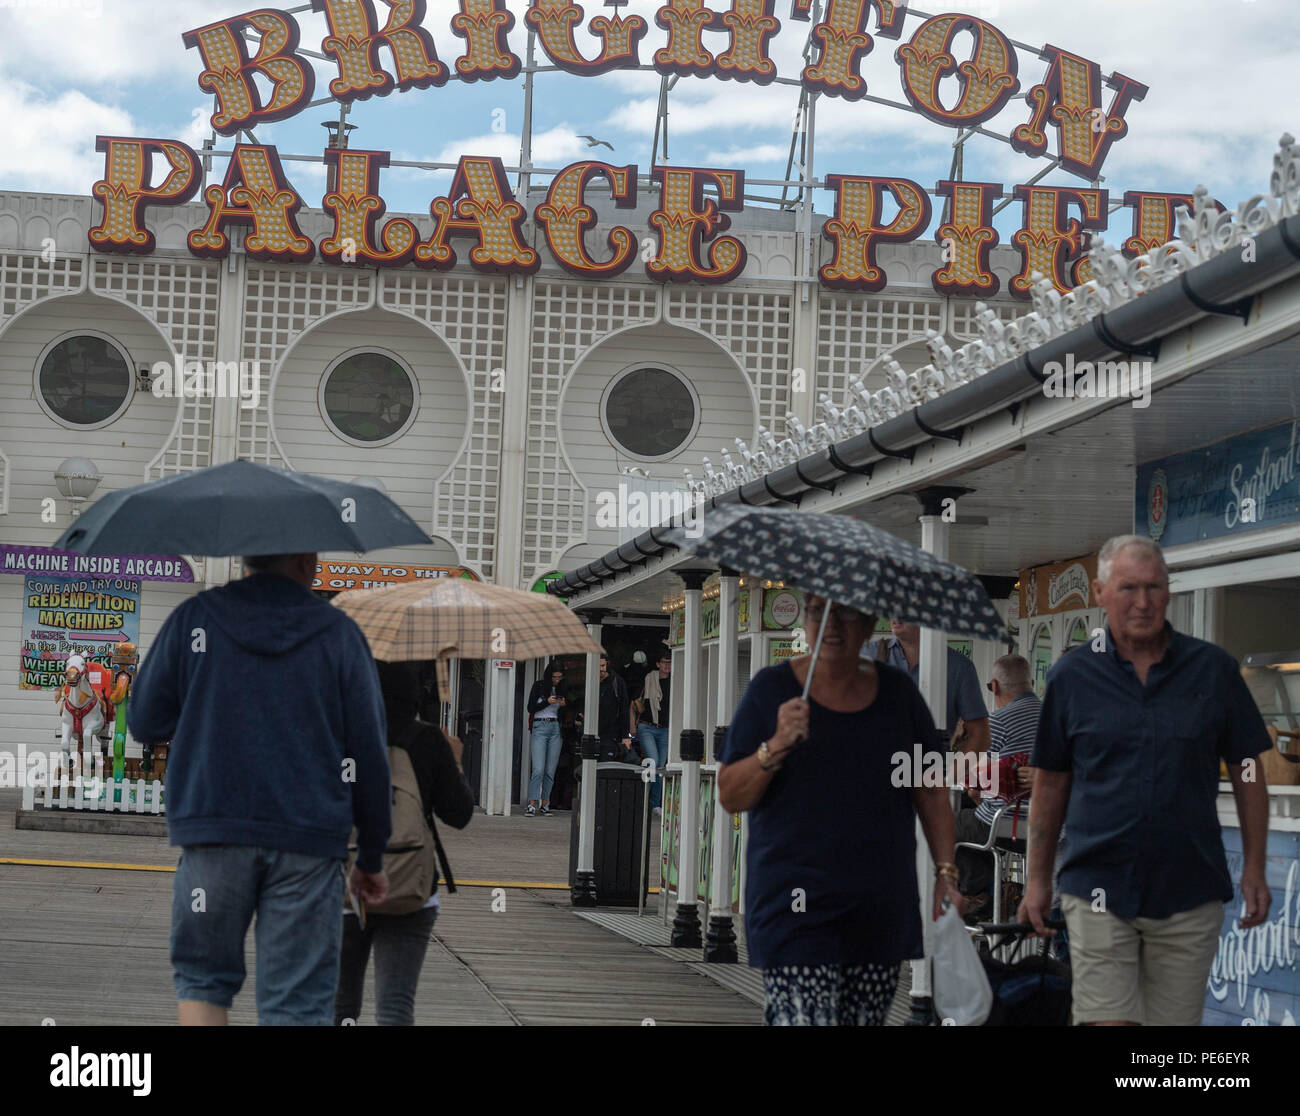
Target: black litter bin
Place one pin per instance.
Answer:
(619, 855)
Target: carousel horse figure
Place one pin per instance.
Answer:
(81, 708)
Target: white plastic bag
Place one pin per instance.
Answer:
(962, 996)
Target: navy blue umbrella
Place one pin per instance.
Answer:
(241, 508)
(848, 562)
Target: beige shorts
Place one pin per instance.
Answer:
(1141, 970)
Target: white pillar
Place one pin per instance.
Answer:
(757, 641)
(1207, 614)
(501, 738)
(584, 888)
(686, 924)
(512, 399)
(225, 412)
(933, 665)
(721, 938)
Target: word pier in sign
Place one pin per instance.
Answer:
(962, 58)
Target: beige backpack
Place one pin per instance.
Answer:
(411, 859)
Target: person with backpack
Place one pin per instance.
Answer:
(427, 780)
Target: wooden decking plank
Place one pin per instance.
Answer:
(90, 946)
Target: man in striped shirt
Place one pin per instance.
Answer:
(1012, 728)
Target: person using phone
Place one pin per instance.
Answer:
(546, 701)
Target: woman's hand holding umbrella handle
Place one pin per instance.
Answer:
(791, 726)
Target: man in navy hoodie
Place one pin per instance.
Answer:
(271, 701)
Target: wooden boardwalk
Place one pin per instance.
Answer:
(85, 946)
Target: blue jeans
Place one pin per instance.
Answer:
(297, 900)
(654, 743)
(400, 943)
(545, 744)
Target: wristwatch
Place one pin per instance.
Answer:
(765, 760)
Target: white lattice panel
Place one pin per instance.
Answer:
(279, 304)
(568, 319)
(962, 316)
(470, 315)
(26, 277)
(180, 296)
(853, 330)
(755, 327)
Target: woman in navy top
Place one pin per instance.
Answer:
(831, 899)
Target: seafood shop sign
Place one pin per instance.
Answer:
(956, 70)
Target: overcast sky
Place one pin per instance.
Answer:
(1221, 75)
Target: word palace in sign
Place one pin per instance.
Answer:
(730, 42)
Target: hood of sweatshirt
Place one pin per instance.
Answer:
(267, 614)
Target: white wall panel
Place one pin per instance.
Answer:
(727, 412)
(407, 466)
(35, 443)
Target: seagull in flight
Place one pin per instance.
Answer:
(592, 141)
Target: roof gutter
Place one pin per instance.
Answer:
(1135, 328)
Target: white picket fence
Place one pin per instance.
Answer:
(125, 796)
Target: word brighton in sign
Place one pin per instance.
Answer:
(278, 81)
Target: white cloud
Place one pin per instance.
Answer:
(49, 143)
(740, 156)
(98, 43)
(556, 147)
(698, 106)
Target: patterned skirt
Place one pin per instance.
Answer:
(829, 995)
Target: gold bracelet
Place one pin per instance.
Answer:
(946, 873)
(942, 864)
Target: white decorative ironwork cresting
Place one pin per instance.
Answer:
(1204, 232)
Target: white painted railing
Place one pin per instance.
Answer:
(126, 796)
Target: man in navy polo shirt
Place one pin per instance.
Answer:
(964, 702)
(1130, 737)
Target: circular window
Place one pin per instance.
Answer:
(650, 412)
(368, 397)
(84, 380)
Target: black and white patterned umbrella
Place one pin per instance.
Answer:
(848, 562)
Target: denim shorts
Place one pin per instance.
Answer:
(297, 900)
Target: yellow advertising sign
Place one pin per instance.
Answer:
(368, 575)
(1058, 587)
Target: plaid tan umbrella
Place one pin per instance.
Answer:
(454, 618)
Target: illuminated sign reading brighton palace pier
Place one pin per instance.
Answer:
(687, 228)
